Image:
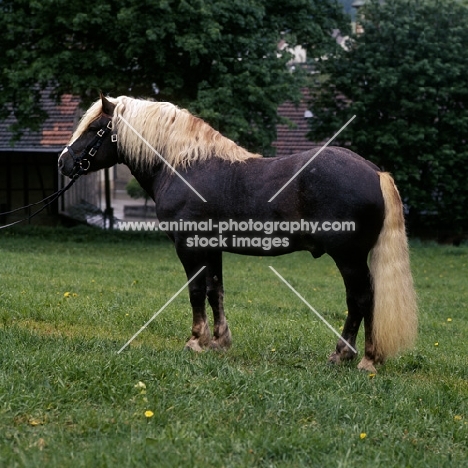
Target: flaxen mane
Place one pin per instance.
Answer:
(90, 116)
(181, 138)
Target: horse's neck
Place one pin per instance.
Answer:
(146, 178)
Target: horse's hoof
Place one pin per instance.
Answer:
(216, 346)
(223, 342)
(193, 345)
(367, 365)
(334, 359)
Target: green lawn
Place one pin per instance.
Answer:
(69, 299)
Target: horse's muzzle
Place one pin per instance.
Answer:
(66, 163)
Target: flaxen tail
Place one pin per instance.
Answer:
(395, 320)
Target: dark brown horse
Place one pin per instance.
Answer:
(229, 199)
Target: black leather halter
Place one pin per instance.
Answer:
(82, 161)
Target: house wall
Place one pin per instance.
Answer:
(25, 178)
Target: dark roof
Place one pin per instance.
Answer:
(54, 134)
(292, 139)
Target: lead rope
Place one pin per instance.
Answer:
(54, 197)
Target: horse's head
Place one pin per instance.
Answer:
(93, 146)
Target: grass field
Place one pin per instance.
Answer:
(69, 299)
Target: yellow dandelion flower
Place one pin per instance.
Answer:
(362, 435)
(436, 343)
(67, 294)
(457, 417)
(371, 376)
(149, 414)
(449, 319)
(140, 384)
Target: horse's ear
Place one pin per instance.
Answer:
(107, 106)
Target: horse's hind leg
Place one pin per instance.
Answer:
(359, 299)
(215, 293)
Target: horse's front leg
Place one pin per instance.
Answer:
(215, 292)
(201, 337)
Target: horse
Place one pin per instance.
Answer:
(202, 180)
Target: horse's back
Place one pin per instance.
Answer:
(334, 180)
(340, 186)
(337, 189)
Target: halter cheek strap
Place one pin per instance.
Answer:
(82, 162)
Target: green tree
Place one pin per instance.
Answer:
(405, 79)
(218, 58)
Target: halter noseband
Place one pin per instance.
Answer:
(82, 162)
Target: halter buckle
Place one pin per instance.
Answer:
(114, 138)
(100, 132)
(92, 152)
